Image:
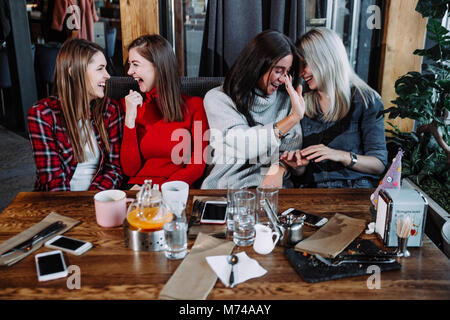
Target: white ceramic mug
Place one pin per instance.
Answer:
(111, 207)
(264, 242)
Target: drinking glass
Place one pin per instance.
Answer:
(175, 231)
(230, 207)
(244, 218)
(269, 193)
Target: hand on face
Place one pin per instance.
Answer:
(297, 101)
(294, 159)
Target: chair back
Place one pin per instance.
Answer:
(199, 86)
(46, 60)
(118, 87)
(5, 77)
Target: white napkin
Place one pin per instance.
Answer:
(370, 228)
(245, 269)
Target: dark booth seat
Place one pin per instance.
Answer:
(118, 87)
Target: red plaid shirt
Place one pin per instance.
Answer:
(53, 153)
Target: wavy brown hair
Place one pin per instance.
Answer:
(72, 87)
(159, 52)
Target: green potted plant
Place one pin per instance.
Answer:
(425, 97)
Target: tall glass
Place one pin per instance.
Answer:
(230, 206)
(244, 218)
(175, 232)
(269, 193)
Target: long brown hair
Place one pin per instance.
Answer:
(71, 88)
(158, 51)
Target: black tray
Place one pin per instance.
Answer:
(313, 270)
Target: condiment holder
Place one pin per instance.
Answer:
(290, 227)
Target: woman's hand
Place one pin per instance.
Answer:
(320, 152)
(132, 101)
(294, 159)
(297, 101)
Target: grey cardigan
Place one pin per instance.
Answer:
(240, 155)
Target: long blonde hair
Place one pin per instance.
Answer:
(72, 89)
(327, 58)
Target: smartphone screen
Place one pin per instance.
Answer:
(215, 211)
(67, 243)
(50, 264)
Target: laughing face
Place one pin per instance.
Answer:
(274, 77)
(97, 76)
(142, 70)
(308, 77)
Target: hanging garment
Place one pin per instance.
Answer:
(82, 17)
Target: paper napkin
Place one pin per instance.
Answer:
(246, 268)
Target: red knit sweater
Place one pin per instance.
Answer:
(164, 151)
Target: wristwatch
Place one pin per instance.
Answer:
(354, 159)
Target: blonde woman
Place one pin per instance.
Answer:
(343, 133)
(75, 135)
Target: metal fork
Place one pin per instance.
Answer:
(361, 261)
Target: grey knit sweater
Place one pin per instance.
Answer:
(241, 155)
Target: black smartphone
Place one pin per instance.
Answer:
(214, 212)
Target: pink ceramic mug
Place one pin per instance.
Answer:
(111, 207)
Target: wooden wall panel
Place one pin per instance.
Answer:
(138, 17)
(405, 31)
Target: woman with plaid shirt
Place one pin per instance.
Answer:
(75, 135)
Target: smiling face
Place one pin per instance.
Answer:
(307, 75)
(97, 76)
(272, 79)
(142, 70)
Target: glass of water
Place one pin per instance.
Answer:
(230, 206)
(244, 218)
(175, 233)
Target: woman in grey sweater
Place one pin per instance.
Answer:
(255, 116)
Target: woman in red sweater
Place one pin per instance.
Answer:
(164, 133)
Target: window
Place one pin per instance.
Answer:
(343, 16)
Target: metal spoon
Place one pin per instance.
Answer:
(232, 259)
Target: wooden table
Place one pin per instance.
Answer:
(111, 271)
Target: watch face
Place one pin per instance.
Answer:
(354, 159)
